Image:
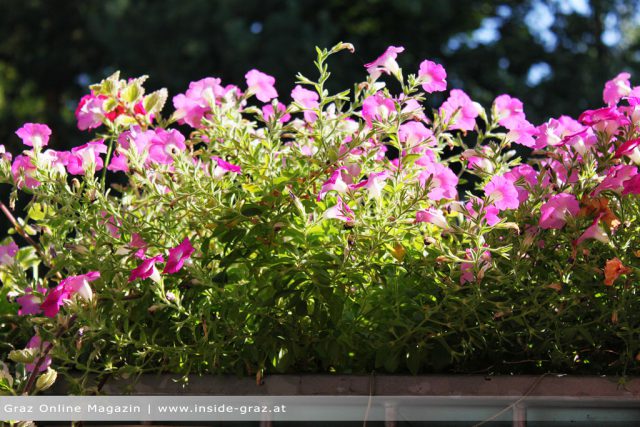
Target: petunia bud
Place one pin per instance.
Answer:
(46, 380)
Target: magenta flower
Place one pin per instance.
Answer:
(467, 270)
(8, 253)
(606, 120)
(36, 342)
(616, 88)
(223, 167)
(86, 157)
(459, 111)
(54, 299)
(510, 112)
(377, 108)
(334, 183)
(268, 112)
(189, 111)
(627, 148)
(415, 133)
(147, 268)
(135, 139)
(555, 211)
(80, 284)
(385, 63)
(490, 213)
(432, 216)
(308, 100)
(632, 185)
(22, 170)
(556, 132)
(30, 301)
(177, 257)
(164, 145)
(432, 76)
(340, 211)
(89, 112)
(615, 179)
(502, 193)
(374, 184)
(443, 181)
(479, 158)
(526, 173)
(110, 223)
(262, 85)
(34, 134)
(138, 243)
(194, 105)
(594, 232)
(57, 296)
(523, 134)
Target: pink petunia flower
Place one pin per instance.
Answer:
(308, 99)
(616, 176)
(510, 112)
(377, 107)
(166, 144)
(178, 256)
(616, 88)
(111, 224)
(594, 232)
(147, 268)
(57, 296)
(334, 183)
(268, 112)
(528, 174)
(628, 148)
(34, 134)
(261, 84)
(443, 181)
(632, 185)
(86, 157)
(133, 139)
(340, 211)
(433, 216)
(523, 133)
(36, 342)
(30, 301)
(8, 253)
(22, 170)
(479, 158)
(432, 77)
(80, 284)
(374, 184)
(415, 133)
(459, 111)
(196, 103)
(385, 63)
(502, 193)
(222, 167)
(555, 211)
(90, 112)
(466, 268)
(138, 243)
(606, 120)
(489, 213)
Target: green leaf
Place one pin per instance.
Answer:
(251, 210)
(154, 102)
(37, 211)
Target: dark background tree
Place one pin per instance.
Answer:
(555, 55)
